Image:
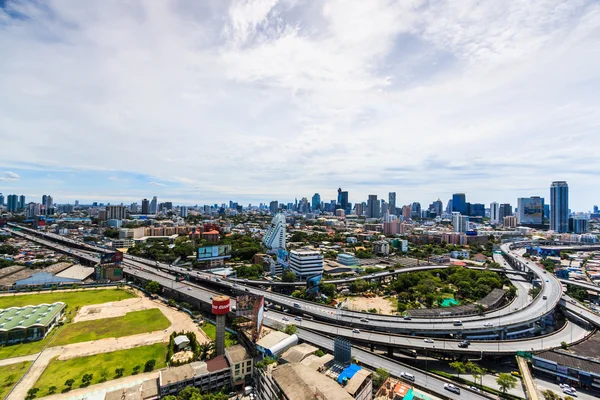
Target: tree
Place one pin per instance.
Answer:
(112, 233)
(205, 349)
(169, 397)
(69, 383)
(564, 345)
(319, 353)
(52, 389)
(149, 366)
(459, 367)
(290, 329)
(475, 370)
(288, 276)
(381, 374)
(550, 395)
(153, 287)
(136, 369)
(506, 381)
(119, 372)
(31, 393)
(86, 379)
(189, 393)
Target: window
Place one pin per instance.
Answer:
(249, 363)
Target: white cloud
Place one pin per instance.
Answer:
(10, 176)
(282, 98)
(157, 184)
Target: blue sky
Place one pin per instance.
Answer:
(202, 102)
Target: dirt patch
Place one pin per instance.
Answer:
(359, 303)
(182, 356)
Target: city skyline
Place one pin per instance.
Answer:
(198, 102)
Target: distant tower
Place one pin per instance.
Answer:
(559, 206)
(220, 308)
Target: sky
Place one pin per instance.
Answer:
(200, 102)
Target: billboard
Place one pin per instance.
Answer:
(283, 258)
(531, 210)
(111, 258)
(252, 307)
(214, 252)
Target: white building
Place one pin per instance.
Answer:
(381, 247)
(347, 259)
(494, 213)
(460, 223)
(462, 253)
(274, 238)
(306, 263)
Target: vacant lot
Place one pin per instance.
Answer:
(130, 324)
(9, 375)
(74, 301)
(211, 331)
(102, 366)
(359, 303)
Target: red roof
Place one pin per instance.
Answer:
(217, 364)
(459, 263)
(213, 232)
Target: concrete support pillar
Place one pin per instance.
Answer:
(372, 347)
(502, 334)
(390, 351)
(220, 336)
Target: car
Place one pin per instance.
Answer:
(298, 318)
(515, 373)
(544, 297)
(345, 279)
(364, 320)
(247, 290)
(451, 388)
(189, 288)
(218, 280)
(427, 340)
(285, 319)
(457, 322)
(572, 301)
(475, 389)
(297, 305)
(464, 344)
(570, 392)
(488, 324)
(545, 271)
(245, 280)
(355, 330)
(547, 280)
(407, 376)
(407, 318)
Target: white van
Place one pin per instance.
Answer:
(457, 322)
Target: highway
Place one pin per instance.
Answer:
(584, 285)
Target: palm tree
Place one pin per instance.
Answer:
(205, 349)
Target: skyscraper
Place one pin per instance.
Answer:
(459, 203)
(21, 203)
(505, 211)
(392, 203)
(438, 207)
(415, 210)
(274, 238)
(145, 206)
(316, 202)
(1, 199)
(460, 223)
(153, 206)
(342, 201)
(373, 207)
(273, 207)
(559, 206)
(304, 206)
(494, 213)
(12, 203)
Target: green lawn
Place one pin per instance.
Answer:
(130, 324)
(102, 366)
(211, 332)
(74, 301)
(10, 375)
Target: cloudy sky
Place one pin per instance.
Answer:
(206, 101)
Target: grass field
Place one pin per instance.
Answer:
(130, 324)
(102, 366)
(9, 375)
(74, 301)
(211, 332)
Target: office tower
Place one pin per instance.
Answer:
(530, 211)
(76, 203)
(460, 223)
(449, 207)
(415, 211)
(392, 203)
(153, 208)
(12, 203)
(47, 201)
(373, 207)
(133, 208)
(546, 211)
(438, 207)
(459, 203)
(21, 204)
(145, 206)
(33, 210)
(116, 212)
(44, 197)
(510, 221)
(382, 207)
(342, 201)
(358, 209)
(304, 205)
(273, 207)
(505, 211)
(477, 210)
(306, 263)
(406, 212)
(559, 206)
(274, 237)
(595, 209)
(316, 202)
(183, 212)
(578, 224)
(1, 199)
(494, 213)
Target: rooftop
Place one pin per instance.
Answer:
(217, 364)
(28, 316)
(300, 382)
(272, 339)
(77, 272)
(356, 381)
(176, 374)
(573, 361)
(316, 362)
(237, 353)
(299, 352)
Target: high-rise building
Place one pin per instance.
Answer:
(459, 203)
(274, 237)
(578, 224)
(559, 206)
(392, 203)
(460, 223)
(145, 206)
(342, 201)
(1, 199)
(306, 263)
(33, 210)
(316, 202)
(494, 213)
(116, 212)
(304, 205)
(21, 204)
(595, 209)
(44, 197)
(153, 208)
(273, 207)
(530, 211)
(505, 211)
(373, 207)
(415, 211)
(359, 209)
(12, 203)
(183, 212)
(438, 207)
(477, 210)
(406, 212)
(47, 201)
(449, 207)
(510, 221)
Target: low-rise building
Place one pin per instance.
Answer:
(459, 253)
(29, 323)
(241, 365)
(347, 259)
(211, 375)
(381, 247)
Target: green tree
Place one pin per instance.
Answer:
(319, 353)
(119, 372)
(169, 397)
(149, 366)
(506, 382)
(459, 367)
(290, 329)
(69, 383)
(86, 379)
(136, 369)
(475, 371)
(550, 395)
(188, 393)
(153, 287)
(52, 389)
(112, 233)
(205, 349)
(31, 393)
(381, 374)
(288, 276)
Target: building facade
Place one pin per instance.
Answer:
(306, 263)
(559, 206)
(274, 237)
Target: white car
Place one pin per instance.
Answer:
(427, 340)
(355, 330)
(285, 319)
(488, 324)
(450, 387)
(570, 392)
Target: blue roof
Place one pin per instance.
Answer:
(348, 373)
(44, 278)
